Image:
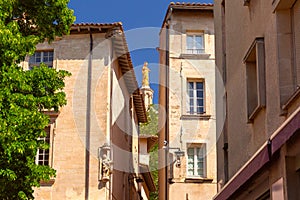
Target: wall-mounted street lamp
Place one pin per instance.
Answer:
(178, 153)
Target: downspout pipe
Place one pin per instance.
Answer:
(88, 119)
(109, 128)
(167, 105)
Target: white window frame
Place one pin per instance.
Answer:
(195, 97)
(33, 59)
(41, 154)
(194, 49)
(200, 146)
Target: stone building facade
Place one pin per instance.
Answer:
(258, 54)
(187, 139)
(94, 143)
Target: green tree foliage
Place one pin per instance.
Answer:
(151, 128)
(24, 94)
(154, 170)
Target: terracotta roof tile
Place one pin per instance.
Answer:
(191, 4)
(98, 24)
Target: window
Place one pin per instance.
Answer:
(255, 72)
(195, 44)
(196, 97)
(196, 160)
(39, 57)
(296, 42)
(223, 41)
(288, 39)
(42, 156)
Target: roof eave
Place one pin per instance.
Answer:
(81, 28)
(185, 6)
(124, 60)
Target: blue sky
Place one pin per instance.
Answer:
(141, 21)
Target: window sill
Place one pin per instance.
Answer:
(198, 180)
(195, 117)
(254, 113)
(47, 183)
(195, 56)
(288, 103)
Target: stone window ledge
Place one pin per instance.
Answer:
(195, 56)
(195, 117)
(291, 100)
(47, 183)
(198, 180)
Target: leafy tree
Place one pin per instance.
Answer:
(25, 94)
(151, 128)
(154, 170)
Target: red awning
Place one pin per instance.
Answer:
(261, 157)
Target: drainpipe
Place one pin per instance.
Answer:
(109, 114)
(88, 119)
(167, 107)
(181, 103)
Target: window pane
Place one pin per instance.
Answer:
(199, 93)
(199, 42)
(191, 85)
(191, 93)
(191, 101)
(199, 85)
(200, 102)
(32, 59)
(200, 110)
(190, 151)
(41, 156)
(190, 161)
(37, 56)
(200, 172)
(189, 42)
(51, 56)
(200, 164)
(191, 110)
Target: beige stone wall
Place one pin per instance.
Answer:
(69, 138)
(184, 128)
(235, 32)
(192, 191)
